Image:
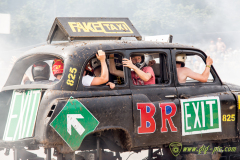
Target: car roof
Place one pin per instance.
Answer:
(70, 48)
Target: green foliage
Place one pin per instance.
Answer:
(32, 19)
(30, 23)
(165, 16)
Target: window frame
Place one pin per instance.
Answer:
(202, 55)
(14, 80)
(165, 52)
(104, 87)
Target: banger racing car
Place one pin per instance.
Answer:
(69, 117)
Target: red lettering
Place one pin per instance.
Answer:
(147, 111)
(168, 111)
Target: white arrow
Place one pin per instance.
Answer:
(72, 121)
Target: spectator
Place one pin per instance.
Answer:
(221, 47)
(212, 47)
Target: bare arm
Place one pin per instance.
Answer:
(200, 77)
(113, 69)
(104, 70)
(144, 76)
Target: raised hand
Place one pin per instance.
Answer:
(128, 63)
(101, 55)
(209, 60)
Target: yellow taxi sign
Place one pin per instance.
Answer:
(77, 28)
(99, 26)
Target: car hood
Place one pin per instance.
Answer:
(233, 87)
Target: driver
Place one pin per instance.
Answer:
(184, 72)
(40, 73)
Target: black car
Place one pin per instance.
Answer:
(67, 116)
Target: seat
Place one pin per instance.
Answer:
(156, 69)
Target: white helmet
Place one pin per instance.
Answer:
(181, 58)
(142, 63)
(148, 58)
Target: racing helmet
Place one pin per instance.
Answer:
(40, 71)
(57, 67)
(95, 63)
(148, 58)
(181, 58)
(142, 63)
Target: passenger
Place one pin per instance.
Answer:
(40, 73)
(149, 60)
(57, 68)
(184, 72)
(100, 71)
(141, 74)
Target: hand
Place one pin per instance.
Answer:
(209, 61)
(128, 63)
(111, 85)
(111, 55)
(151, 63)
(101, 55)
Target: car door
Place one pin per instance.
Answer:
(156, 109)
(208, 109)
(111, 107)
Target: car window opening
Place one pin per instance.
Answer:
(44, 72)
(153, 64)
(92, 75)
(195, 64)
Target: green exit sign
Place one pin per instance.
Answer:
(201, 115)
(22, 115)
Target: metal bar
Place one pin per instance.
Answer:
(48, 157)
(98, 148)
(7, 152)
(16, 154)
(150, 153)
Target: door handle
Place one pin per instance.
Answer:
(184, 96)
(171, 96)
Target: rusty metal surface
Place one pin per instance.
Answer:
(19, 143)
(97, 106)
